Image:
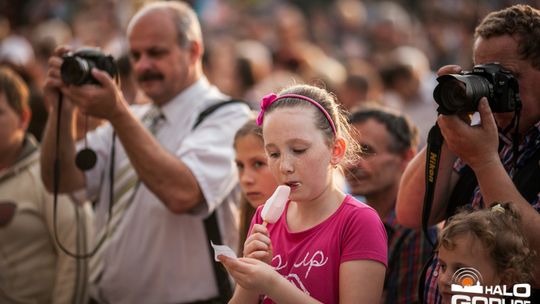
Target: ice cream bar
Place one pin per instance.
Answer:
(275, 205)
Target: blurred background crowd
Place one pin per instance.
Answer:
(378, 51)
(363, 51)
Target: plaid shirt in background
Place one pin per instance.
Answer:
(408, 251)
(530, 144)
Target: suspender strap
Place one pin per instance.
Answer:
(211, 109)
(211, 225)
(222, 278)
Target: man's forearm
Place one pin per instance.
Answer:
(71, 178)
(164, 174)
(497, 186)
(410, 200)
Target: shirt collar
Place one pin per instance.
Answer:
(29, 146)
(26, 157)
(532, 133)
(185, 100)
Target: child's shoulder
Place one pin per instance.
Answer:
(353, 203)
(356, 208)
(361, 221)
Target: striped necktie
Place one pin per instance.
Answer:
(126, 183)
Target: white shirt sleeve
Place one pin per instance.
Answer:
(208, 152)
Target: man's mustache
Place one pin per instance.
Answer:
(150, 76)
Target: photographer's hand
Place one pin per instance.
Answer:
(455, 69)
(72, 178)
(104, 101)
(449, 69)
(475, 145)
(410, 198)
(54, 83)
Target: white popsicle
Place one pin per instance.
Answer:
(275, 205)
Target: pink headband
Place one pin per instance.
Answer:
(272, 97)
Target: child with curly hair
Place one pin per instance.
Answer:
(488, 240)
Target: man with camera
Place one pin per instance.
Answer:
(496, 160)
(158, 173)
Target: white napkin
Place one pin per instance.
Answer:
(224, 250)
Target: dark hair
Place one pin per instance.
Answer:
(499, 229)
(403, 132)
(391, 74)
(358, 82)
(329, 102)
(521, 21)
(15, 90)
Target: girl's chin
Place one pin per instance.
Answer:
(256, 204)
(256, 201)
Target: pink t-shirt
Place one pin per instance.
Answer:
(310, 259)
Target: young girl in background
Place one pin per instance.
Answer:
(326, 247)
(488, 240)
(256, 179)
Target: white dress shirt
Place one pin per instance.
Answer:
(156, 256)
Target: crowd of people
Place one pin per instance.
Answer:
(114, 185)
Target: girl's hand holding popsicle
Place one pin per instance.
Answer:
(258, 244)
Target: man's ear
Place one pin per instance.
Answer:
(26, 115)
(339, 147)
(407, 156)
(196, 50)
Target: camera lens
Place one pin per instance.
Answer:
(74, 70)
(460, 93)
(453, 95)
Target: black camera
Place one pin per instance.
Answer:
(457, 93)
(76, 68)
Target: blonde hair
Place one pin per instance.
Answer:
(329, 102)
(249, 128)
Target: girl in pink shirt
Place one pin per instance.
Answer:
(326, 247)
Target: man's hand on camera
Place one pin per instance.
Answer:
(449, 69)
(103, 101)
(475, 145)
(54, 83)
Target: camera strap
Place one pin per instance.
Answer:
(514, 124)
(433, 156)
(56, 185)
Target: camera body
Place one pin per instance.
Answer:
(76, 68)
(461, 93)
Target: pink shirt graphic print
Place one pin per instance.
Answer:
(310, 259)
